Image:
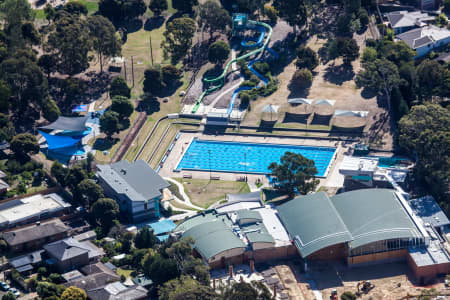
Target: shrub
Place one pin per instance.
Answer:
(245, 100)
(302, 78)
(262, 68)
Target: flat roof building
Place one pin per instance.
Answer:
(31, 209)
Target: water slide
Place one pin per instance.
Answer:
(218, 81)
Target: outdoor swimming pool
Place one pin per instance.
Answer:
(253, 158)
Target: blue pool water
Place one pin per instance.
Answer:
(247, 157)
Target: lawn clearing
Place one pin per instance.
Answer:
(204, 192)
(124, 272)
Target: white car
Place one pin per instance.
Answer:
(14, 291)
(4, 286)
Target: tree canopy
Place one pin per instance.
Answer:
(294, 172)
(109, 123)
(119, 87)
(213, 17)
(73, 293)
(184, 6)
(306, 58)
(70, 42)
(122, 106)
(88, 192)
(105, 211)
(158, 6)
(104, 39)
(186, 287)
(144, 238)
(293, 11)
(218, 52)
(425, 132)
(178, 37)
(23, 144)
(244, 291)
(118, 10)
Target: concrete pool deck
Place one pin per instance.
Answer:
(333, 179)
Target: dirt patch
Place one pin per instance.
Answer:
(391, 281)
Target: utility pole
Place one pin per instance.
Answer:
(125, 69)
(151, 49)
(132, 70)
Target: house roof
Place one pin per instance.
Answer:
(217, 231)
(3, 184)
(27, 259)
(70, 248)
(137, 180)
(374, 214)
(313, 222)
(117, 291)
(420, 37)
(93, 281)
(35, 232)
(399, 19)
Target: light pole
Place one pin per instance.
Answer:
(209, 161)
(245, 166)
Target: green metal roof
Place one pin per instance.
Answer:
(212, 238)
(248, 214)
(374, 214)
(259, 237)
(202, 217)
(313, 223)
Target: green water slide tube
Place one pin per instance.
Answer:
(219, 80)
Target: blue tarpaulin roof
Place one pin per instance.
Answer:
(163, 226)
(59, 141)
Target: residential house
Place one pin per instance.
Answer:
(69, 254)
(118, 291)
(34, 236)
(402, 21)
(425, 39)
(26, 263)
(136, 187)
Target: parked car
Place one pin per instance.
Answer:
(14, 291)
(4, 286)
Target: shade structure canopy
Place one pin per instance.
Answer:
(300, 101)
(80, 108)
(270, 108)
(68, 123)
(351, 113)
(324, 102)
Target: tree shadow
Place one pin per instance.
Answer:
(339, 74)
(297, 92)
(368, 93)
(266, 126)
(154, 23)
(104, 144)
(149, 106)
(321, 119)
(124, 124)
(131, 25)
(169, 90)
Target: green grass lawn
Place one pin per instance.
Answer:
(204, 192)
(124, 272)
(91, 5)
